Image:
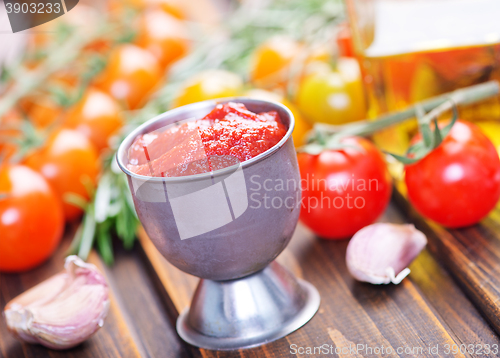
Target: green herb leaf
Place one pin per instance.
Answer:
(76, 200)
(88, 233)
(104, 243)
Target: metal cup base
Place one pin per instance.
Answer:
(249, 311)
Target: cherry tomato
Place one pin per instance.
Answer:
(68, 159)
(458, 183)
(31, 219)
(131, 74)
(344, 40)
(302, 127)
(333, 97)
(44, 111)
(343, 190)
(97, 116)
(42, 108)
(207, 85)
(271, 61)
(164, 36)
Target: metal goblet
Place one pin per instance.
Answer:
(227, 227)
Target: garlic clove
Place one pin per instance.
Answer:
(64, 310)
(380, 253)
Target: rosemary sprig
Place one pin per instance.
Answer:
(32, 79)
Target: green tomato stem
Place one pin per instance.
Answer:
(463, 96)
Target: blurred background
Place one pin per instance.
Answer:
(107, 66)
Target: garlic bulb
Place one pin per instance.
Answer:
(380, 253)
(62, 311)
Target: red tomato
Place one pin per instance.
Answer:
(31, 219)
(97, 116)
(458, 183)
(68, 159)
(343, 190)
(344, 40)
(131, 74)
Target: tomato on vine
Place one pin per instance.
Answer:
(97, 116)
(130, 75)
(67, 162)
(343, 190)
(458, 183)
(31, 219)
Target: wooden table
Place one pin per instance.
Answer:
(427, 310)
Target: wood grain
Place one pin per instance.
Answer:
(414, 315)
(472, 255)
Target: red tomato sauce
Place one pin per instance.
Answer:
(228, 135)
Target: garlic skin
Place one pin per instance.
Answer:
(64, 310)
(380, 253)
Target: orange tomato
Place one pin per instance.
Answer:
(67, 160)
(207, 85)
(270, 66)
(164, 36)
(43, 111)
(42, 108)
(97, 116)
(31, 219)
(131, 74)
(302, 127)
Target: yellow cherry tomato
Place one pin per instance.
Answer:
(270, 66)
(302, 127)
(207, 85)
(333, 97)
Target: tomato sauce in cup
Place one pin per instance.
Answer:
(228, 135)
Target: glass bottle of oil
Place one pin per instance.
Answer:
(410, 50)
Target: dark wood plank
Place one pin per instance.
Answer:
(472, 255)
(417, 313)
(115, 339)
(147, 314)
